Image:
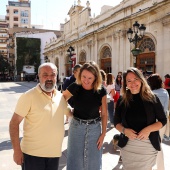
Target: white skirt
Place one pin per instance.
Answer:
(138, 155)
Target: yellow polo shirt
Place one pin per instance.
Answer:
(43, 129)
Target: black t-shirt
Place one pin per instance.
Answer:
(86, 102)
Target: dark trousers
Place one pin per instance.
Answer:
(111, 111)
(40, 163)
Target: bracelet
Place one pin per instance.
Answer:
(123, 130)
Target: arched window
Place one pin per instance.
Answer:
(82, 57)
(148, 44)
(106, 53)
(106, 59)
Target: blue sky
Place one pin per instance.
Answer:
(51, 13)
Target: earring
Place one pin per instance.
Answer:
(127, 88)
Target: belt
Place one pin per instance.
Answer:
(90, 121)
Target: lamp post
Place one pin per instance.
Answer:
(137, 28)
(70, 53)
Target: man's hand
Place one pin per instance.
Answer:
(18, 157)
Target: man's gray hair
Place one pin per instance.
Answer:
(53, 66)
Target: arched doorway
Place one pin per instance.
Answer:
(106, 59)
(56, 62)
(146, 60)
(68, 66)
(82, 58)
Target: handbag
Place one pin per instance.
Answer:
(167, 131)
(116, 96)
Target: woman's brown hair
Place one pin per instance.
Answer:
(155, 81)
(145, 91)
(110, 79)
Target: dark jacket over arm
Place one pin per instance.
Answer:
(154, 112)
(68, 81)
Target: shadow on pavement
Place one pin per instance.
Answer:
(66, 133)
(6, 145)
(21, 88)
(63, 160)
(166, 142)
(108, 148)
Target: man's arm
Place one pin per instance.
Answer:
(14, 135)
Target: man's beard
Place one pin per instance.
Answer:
(48, 86)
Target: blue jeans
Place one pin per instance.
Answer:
(111, 111)
(40, 163)
(82, 151)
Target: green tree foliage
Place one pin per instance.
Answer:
(28, 53)
(4, 65)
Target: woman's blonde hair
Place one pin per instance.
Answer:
(145, 91)
(94, 69)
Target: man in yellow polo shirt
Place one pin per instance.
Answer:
(43, 109)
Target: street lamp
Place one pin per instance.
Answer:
(137, 28)
(70, 53)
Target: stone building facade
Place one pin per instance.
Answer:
(104, 37)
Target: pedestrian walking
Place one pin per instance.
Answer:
(43, 109)
(104, 77)
(118, 83)
(167, 85)
(67, 82)
(111, 91)
(156, 84)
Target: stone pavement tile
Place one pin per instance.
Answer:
(6, 161)
(166, 151)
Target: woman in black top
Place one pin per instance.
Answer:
(86, 137)
(138, 116)
(118, 83)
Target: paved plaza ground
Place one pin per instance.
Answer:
(9, 94)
